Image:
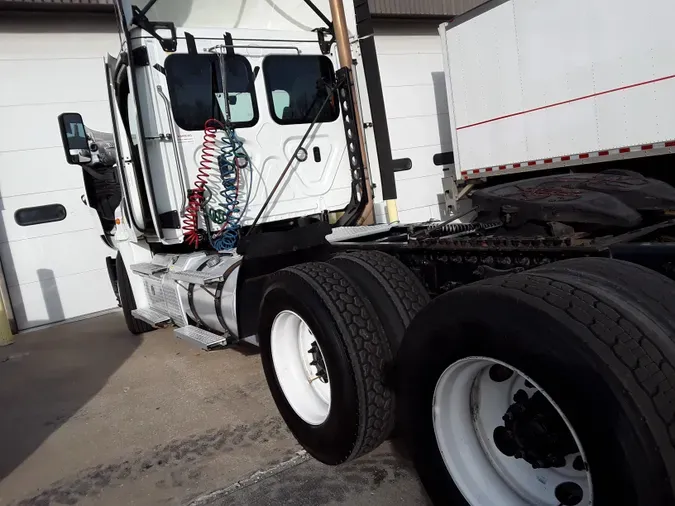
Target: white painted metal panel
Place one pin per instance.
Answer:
(78, 217)
(80, 78)
(237, 14)
(424, 195)
(413, 86)
(55, 299)
(310, 187)
(34, 37)
(60, 176)
(24, 131)
(533, 80)
(20, 258)
(57, 270)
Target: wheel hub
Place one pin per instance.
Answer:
(507, 414)
(300, 368)
(533, 430)
(318, 363)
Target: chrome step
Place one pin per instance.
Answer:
(151, 316)
(194, 277)
(203, 338)
(147, 269)
(349, 233)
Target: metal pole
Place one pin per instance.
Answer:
(337, 11)
(7, 321)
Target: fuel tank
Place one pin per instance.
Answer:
(200, 286)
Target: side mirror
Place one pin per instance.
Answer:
(74, 138)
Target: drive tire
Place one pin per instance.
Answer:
(355, 351)
(126, 296)
(394, 291)
(594, 334)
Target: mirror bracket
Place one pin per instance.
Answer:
(326, 39)
(141, 20)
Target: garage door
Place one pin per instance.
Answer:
(52, 254)
(411, 65)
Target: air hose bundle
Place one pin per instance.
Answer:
(232, 164)
(207, 164)
(224, 154)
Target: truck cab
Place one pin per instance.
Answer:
(218, 129)
(164, 90)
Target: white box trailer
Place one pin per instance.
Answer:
(541, 84)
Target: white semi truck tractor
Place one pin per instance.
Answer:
(523, 348)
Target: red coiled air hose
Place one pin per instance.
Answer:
(209, 161)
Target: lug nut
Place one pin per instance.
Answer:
(520, 396)
(569, 493)
(499, 373)
(504, 441)
(579, 464)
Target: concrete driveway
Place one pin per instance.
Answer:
(90, 414)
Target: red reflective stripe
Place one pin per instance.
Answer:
(646, 147)
(622, 88)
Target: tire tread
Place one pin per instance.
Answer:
(127, 300)
(632, 347)
(405, 290)
(369, 351)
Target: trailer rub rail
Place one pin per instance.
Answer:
(572, 159)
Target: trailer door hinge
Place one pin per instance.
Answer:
(368, 124)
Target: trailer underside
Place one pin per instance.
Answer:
(521, 225)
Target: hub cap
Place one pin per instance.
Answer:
(300, 368)
(503, 439)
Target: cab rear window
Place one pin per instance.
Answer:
(297, 86)
(196, 90)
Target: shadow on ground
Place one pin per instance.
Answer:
(48, 375)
